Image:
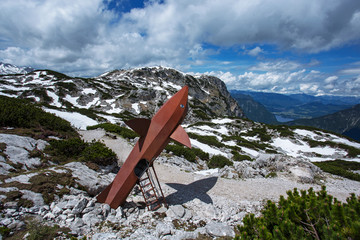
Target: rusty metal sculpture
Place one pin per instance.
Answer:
(155, 134)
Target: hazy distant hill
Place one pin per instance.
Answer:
(254, 110)
(298, 106)
(346, 122)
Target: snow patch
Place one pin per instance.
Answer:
(88, 91)
(72, 100)
(208, 172)
(55, 98)
(222, 121)
(206, 148)
(76, 119)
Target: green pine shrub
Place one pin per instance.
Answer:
(200, 153)
(20, 113)
(305, 215)
(70, 148)
(209, 140)
(97, 152)
(239, 157)
(109, 127)
(340, 168)
(181, 151)
(76, 149)
(219, 161)
(187, 153)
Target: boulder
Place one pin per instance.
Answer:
(176, 211)
(80, 206)
(216, 229)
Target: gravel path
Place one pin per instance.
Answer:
(180, 186)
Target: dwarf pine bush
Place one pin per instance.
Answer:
(219, 161)
(109, 127)
(21, 113)
(76, 149)
(305, 215)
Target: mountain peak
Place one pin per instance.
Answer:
(7, 68)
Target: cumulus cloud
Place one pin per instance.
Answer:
(301, 81)
(255, 51)
(87, 36)
(331, 79)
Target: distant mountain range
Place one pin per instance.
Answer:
(299, 106)
(253, 109)
(7, 68)
(340, 114)
(346, 122)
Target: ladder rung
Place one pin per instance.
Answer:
(150, 190)
(153, 202)
(144, 179)
(155, 207)
(148, 184)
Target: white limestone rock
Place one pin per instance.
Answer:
(216, 229)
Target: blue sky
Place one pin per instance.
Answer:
(285, 46)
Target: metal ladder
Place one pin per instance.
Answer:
(151, 189)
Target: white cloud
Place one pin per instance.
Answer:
(85, 36)
(280, 65)
(331, 79)
(255, 51)
(226, 77)
(350, 71)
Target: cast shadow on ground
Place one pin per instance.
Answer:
(188, 192)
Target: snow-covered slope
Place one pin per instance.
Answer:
(123, 93)
(7, 68)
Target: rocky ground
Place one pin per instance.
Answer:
(201, 202)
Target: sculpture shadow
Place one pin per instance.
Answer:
(188, 192)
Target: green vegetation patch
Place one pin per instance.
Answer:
(259, 132)
(341, 168)
(239, 157)
(70, 86)
(219, 161)
(210, 124)
(240, 141)
(187, 153)
(76, 149)
(305, 215)
(109, 127)
(284, 131)
(19, 113)
(210, 140)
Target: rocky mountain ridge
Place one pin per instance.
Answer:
(123, 93)
(7, 68)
